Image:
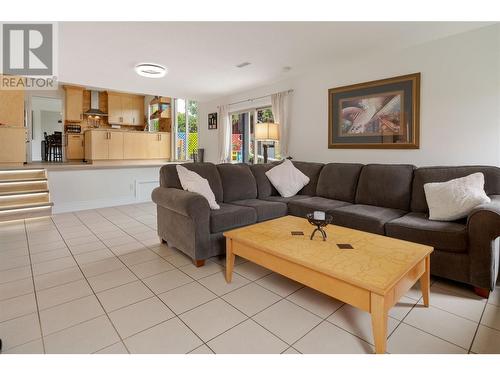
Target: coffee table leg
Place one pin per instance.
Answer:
(229, 260)
(379, 322)
(425, 281)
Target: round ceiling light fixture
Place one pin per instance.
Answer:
(151, 70)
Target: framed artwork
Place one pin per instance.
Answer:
(212, 121)
(377, 114)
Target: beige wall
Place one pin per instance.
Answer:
(460, 103)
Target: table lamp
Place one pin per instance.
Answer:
(266, 131)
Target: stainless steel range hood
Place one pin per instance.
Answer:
(94, 105)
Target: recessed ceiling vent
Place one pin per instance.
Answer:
(243, 64)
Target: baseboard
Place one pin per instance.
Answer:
(95, 203)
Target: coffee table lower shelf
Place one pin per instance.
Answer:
(377, 304)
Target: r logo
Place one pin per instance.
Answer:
(28, 49)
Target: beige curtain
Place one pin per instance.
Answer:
(224, 135)
(281, 107)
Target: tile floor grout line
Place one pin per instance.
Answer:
(477, 328)
(148, 243)
(220, 297)
(191, 352)
(429, 333)
(109, 346)
(34, 290)
(249, 317)
(321, 322)
(91, 288)
(217, 297)
(3, 351)
(440, 338)
(401, 321)
(147, 286)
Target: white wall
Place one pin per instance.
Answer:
(73, 190)
(460, 103)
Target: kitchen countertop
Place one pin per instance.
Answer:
(121, 130)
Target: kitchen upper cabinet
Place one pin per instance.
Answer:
(73, 104)
(139, 111)
(115, 112)
(125, 109)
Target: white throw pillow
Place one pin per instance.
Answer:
(456, 198)
(193, 182)
(287, 179)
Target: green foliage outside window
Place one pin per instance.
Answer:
(265, 115)
(192, 109)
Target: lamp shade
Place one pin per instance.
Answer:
(266, 131)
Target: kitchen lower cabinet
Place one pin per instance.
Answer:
(103, 145)
(74, 147)
(115, 146)
(164, 146)
(126, 145)
(12, 145)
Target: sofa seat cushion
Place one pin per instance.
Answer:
(367, 218)
(278, 198)
(416, 227)
(231, 216)
(302, 207)
(266, 210)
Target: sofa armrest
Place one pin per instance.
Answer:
(483, 227)
(183, 221)
(183, 202)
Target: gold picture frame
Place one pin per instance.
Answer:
(381, 114)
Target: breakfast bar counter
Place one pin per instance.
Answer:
(119, 145)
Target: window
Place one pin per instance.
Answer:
(266, 115)
(186, 128)
(243, 143)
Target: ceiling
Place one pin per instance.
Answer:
(201, 57)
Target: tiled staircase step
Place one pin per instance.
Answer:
(22, 175)
(6, 187)
(22, 180)
(23, 199)
(26, 213)
(23, 192)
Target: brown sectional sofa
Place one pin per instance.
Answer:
(386, 199)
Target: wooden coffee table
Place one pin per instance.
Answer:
(371, 276)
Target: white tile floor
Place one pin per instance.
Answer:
(99, 281)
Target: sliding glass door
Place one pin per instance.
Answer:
(244, 147)
(242, 140)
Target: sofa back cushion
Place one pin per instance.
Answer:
(238, 182)
(441, 174)
(170, 179)
(311, 170)
(339, 181)
(266, 189)
(385, 185)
